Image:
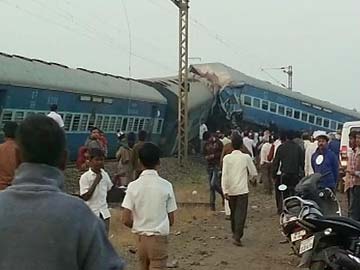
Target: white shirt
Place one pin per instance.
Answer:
(237, 167)
(57, 118)
(202, 130)
(150, 199)
(265, 151)
(249, 144)
(225, 141)
(277, 143)
(310, 150)
(97, 202)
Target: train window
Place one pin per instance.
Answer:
(265, 105)
(247, 100)
(105, 125)
(136, 124)
(98, 121)
(311, 119)
(326, 123)
(333, 125)
(289, 112)
(19, 116)
(319, 121)
(67, 121)
(92, 120)
(118, 124)
(297, 114)
(131, 124)
(141, 124)
(304, 117)
(281, 110)
(112, 123)
(85, 98)
(159, 126)
(97, 99)
(147, 124)
(273, 107)
(340, 126)
(6, 116)
(124, 124)
(76, 122)
(108, 100)
(256, 103)
(29, 114)
(84, 122)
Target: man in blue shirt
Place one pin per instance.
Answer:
(325, 162)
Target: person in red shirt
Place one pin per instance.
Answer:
(9, 155)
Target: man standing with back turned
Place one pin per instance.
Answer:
(41, 227)
(237, 167)
(149, 207)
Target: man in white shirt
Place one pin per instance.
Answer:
(94, 186)
(54, 115)
(309, 151)
(237, 168)
(265, 164)
(249, 143)
(149, 207)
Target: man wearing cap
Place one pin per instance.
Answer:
(325, 162)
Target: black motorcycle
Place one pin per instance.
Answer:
(311, 200)
(318, 233)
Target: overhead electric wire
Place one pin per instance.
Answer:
(109, 40)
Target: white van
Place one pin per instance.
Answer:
(344, 145)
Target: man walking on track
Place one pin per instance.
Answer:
(237, 168)
(40, 226)
(149, 207)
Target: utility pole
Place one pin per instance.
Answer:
(288, 70)
(183, 136)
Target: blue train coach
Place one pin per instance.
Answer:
(247, 100)
(85, 99)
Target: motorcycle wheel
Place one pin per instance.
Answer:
(318, 266)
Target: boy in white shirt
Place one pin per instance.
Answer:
(149, 207)
(94, 186)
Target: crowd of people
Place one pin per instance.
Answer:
(236, 158)
(53, 230)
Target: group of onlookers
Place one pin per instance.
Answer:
(282, 159)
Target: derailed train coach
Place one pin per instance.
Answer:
(92, 99)
(246, 101)
(85, 99)
(201, 102)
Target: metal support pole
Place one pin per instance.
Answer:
(290, 77)
(183, 137)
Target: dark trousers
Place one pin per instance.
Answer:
(238, 206)
(215, 185)
(355, 203)
(290, 180)
(278, 194)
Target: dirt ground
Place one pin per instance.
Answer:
(201, 239)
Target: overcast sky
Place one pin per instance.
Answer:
(320, 38)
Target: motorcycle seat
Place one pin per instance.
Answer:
(345, 220)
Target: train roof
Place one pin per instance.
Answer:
(199, 94)
(21, 71)
(222, 76)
